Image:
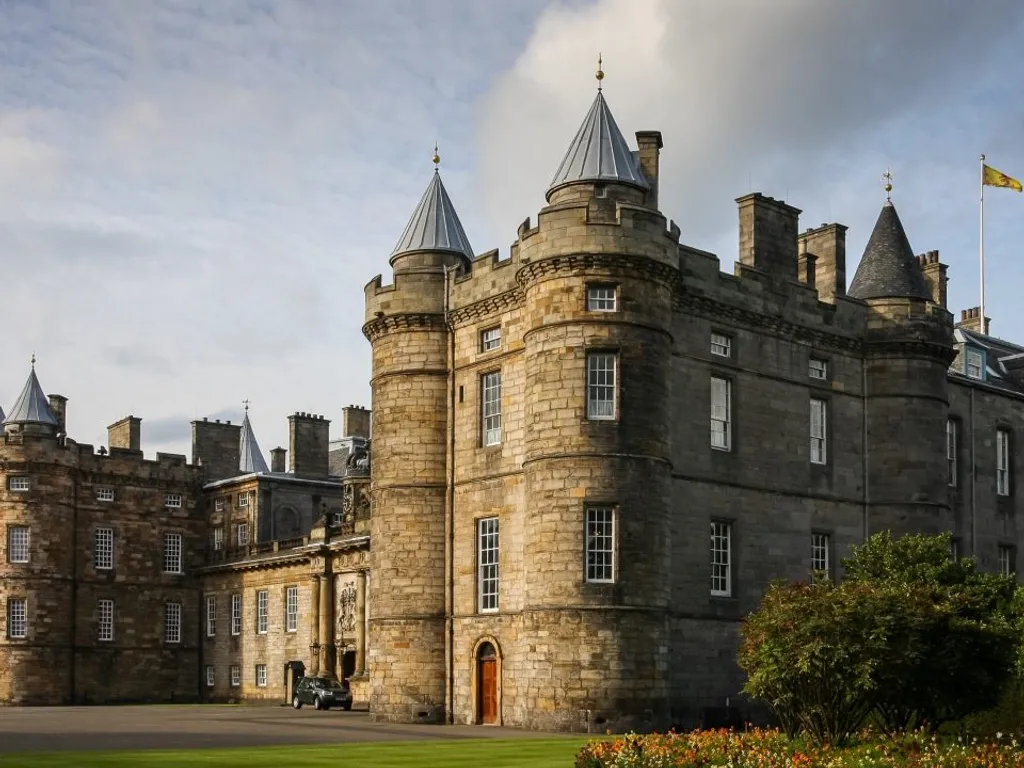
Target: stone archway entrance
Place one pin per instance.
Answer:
(487, 684)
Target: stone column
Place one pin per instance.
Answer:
(327, 624)
(314, 625)
(360, 623)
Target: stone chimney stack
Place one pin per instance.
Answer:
(217, 447)
(970, 319)
(59, 409)
(828, 243)
(309, 445)
(768, 236)
(650, 144)
(125, 434)
(355, 422)
(278, 459)
(935, 275)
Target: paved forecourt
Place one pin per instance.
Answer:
(186, 727)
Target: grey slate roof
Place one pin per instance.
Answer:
(2, 417)
(250, 456)
(1004, 360)
(32, 406)
(599, 152)
(434, 225)
(889, 268)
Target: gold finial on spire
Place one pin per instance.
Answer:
(887, 178)
(246, 404)
(600, 72)
(436, 159)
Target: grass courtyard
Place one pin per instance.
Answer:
(465, 753)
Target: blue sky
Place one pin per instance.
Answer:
(193, 194)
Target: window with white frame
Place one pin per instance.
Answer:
(820, 546)
(105, 620)
(18, 483)
(236, 614)
(243, 499)
(218, 505)
(103, 549)
(600, 539)
(261, 675)
(172, 500)
(211, 677)
(490, 407)
(721, 558)
(104, 494)
(211, 616)
(721, 413)
(601, 385)
(1003, 462)
(487, 563)
(974, 364)
(490, 338)
(601, 298)
(819, 431)
(818, 369)
(951, 451)
(291, 609)
(172, 623)
(172, 553)
(17, 544)
(218, 538)
(243, 534)
(17, 618)
(1007, 560)
(721, 345)
(261, 612)
(236, 675)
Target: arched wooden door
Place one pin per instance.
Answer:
(487, 684)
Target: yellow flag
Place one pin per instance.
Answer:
(994, 178)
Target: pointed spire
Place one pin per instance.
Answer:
(31, 407)
(889, 268)
(250, 456)
(434, 225)
(599, 152)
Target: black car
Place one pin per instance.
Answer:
(322, 693)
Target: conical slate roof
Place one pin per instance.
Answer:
(599, 152)
(250, 456)
(434, 225)
(2, 417)
(889, 268)
(31, 406)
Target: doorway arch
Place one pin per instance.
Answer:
(487, 682)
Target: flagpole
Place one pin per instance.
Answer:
(981, 240)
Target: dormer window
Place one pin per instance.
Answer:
(974, 364)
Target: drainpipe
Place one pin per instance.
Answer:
(974, 485)
(450, 500)
(864, 437)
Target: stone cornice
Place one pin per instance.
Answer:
(408, 321)
(911, 348)
(759, 321)
(491, 305)
(624, 263)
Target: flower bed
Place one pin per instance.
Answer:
(772, 749)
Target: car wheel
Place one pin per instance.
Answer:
(317, 703)
(347, 706)
(296, 703)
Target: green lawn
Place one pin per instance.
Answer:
(550, 753)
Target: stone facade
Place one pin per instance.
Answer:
(833, 425)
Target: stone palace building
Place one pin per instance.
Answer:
(589, 457)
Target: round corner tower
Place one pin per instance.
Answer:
(598, 274)
(908, 346)
(37, 522)
(405, 324)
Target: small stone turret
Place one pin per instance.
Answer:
(406, 326)
(908, 348)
